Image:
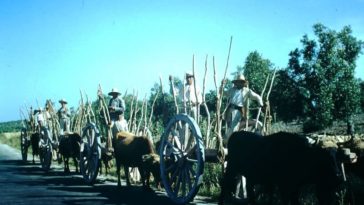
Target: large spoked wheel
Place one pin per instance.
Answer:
(45, 150)
(90, 153)
(182, 159)
(24, 144)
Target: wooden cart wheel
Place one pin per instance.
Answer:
(90, 153)
(182, 159)
(45, 150)
(24, 144)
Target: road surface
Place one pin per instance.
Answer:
(25, 183)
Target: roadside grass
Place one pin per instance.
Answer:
(11, 138)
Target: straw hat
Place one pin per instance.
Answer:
(189, 74)
(62, 101)
(239, 78)
(114, 91)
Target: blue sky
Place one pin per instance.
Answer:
(54, 49)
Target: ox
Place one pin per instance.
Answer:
(356, 145)
(284, 160)
(129, 152)
(106, 159)
(151, 165)
(34, 139)
(355, 170)
(69, 147)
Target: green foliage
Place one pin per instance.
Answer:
(11, 126)
(211, 184)
(210, 100)
(285, 98)
(256, 71)
(362, 95)
(323, 73)
(164, 108)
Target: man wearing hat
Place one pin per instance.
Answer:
(41, 127)
(238, 97)
(47, 114)
(64, 117)
(40, 122)
(116, 105)
(191, 91)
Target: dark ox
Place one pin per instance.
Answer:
(130, 151)
(284, 160)
(34, 141)
(355, 171)
(355, 145)
(106, 160)
(69, 147)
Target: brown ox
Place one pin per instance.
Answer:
(151, 164)
(129, 152)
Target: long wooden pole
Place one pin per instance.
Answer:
(152, 109)
(267, 109)
(171, 80)
(220, 94)
(195, 91)
(208, 131)
(260, 109)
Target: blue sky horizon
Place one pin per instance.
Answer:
(54, 49)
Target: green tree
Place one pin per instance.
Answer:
(286, 99)
(256, 69)
(323, 71)
(362, 95)
(164, 108)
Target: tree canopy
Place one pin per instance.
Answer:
(323, 73)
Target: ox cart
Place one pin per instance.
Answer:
(45, 146)
(43, 138)
(183, 154)
(181, 151)
(182, 157)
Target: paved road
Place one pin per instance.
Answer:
(25, 183)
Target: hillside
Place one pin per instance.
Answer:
(11, 126)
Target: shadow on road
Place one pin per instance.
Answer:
(71, 188)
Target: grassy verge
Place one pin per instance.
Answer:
(11, 138)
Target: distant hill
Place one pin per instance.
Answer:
(11, 126)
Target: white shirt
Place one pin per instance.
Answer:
(119, 125)
(239, 97)
(190, 95)
(40, 117)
